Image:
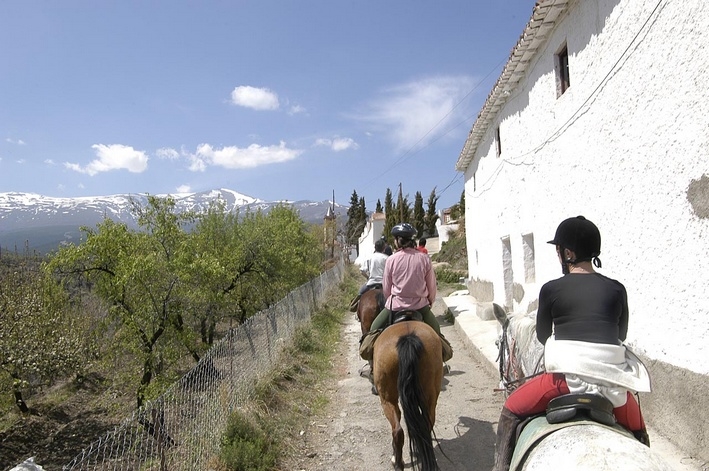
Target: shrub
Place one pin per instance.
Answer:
(246, 447)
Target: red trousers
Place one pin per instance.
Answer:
(534, 395)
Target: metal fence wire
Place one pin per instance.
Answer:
(181, 430)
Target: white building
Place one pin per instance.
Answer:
(602, 110)
(372, 232)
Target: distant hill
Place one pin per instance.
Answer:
(41, 224)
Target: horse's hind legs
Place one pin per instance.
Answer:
(397, 443)
(393, 415)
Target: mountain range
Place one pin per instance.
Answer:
(39, 224)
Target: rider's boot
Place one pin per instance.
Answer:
(642, 436)
(355, 303)
(447, 349)
(506, 438)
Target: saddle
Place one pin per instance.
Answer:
(366, 342)
(402, 316)
(571, 406)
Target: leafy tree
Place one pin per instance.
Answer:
(41, 336)
(362, 215)
(379, 208)
(403, 207)
(419, 215)
(431, 214)
(138, 275)
(352, 231)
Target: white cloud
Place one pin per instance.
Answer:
(19, 142)
(113, 157)
(337, 144)
(49, 161)
(255, 98)
(296, 109)
(419, 111)
(167, 153)
(183, 189)
(234, 157)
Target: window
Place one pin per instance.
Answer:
(498, 144)
(507, 274)
(561, 64)
(528, 253)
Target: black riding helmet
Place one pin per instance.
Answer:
(580, 236)
(404, 230)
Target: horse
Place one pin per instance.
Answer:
(581, 441)
(408, 369)
(370, 305)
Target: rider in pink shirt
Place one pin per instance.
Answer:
(409, 283)
(403, 275)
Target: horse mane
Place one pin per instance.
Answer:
(523, 330)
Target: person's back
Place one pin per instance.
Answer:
(411, 282)
(584, 307)
(588, 315)
(376, 266)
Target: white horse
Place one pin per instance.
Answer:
(577, 444)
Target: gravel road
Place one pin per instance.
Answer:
(354, 434)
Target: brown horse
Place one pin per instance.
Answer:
(370, 305)
(408, 369)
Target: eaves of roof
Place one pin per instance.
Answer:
(536, 33)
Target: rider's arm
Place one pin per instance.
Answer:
(544, 319)
(386, 279)
(430, 283)
(623, 321)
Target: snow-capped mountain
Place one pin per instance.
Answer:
(41, 223)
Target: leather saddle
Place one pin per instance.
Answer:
(571, 406)
(401, 316)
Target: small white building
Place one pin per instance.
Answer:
(372, 232)
(602, 110)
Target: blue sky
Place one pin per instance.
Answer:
(274, 99)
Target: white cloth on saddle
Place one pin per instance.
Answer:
(608, 370)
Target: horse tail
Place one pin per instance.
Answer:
(413, 403)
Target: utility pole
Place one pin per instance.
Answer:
(401, 204)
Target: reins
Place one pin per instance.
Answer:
(506, 351)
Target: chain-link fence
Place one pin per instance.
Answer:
(181, 429)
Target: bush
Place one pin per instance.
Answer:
(245, 447)
(447, 275)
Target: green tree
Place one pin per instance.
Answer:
(138, 275)
(168, 289)
(352, 227)
(390, 216)
(419, 215)
(379, 208)
(431, 213)
(403, 207)
(41, 336)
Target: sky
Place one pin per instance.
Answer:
(278, 100)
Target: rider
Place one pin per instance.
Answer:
(584, 354)
(409, 283)
(374, 271)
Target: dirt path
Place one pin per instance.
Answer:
(355, 435)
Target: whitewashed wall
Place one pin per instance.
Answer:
(626, 146)
(371, 233)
